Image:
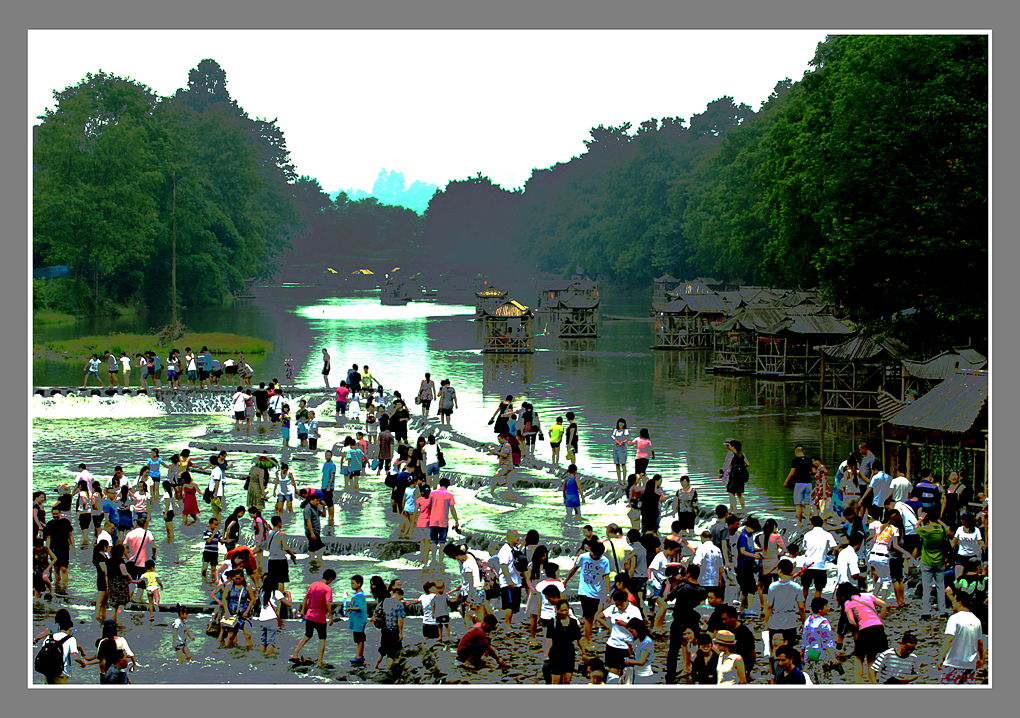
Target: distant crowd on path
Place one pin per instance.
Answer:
(868, 529)
(196, 369)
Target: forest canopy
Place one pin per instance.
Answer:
(866, 178)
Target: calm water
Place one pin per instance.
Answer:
(689, 412)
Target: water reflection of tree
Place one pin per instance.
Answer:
(840, 434)
(504, 374)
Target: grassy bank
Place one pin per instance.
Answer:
(79, 349)
(52, 319)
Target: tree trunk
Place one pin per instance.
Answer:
(173, 250)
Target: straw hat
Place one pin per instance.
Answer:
(726, 638)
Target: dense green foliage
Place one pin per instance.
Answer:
(866, 179)
(125, 181)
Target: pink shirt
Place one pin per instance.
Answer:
(342, 392)
(424, 511)
(863, 609)
(441, 500)
(316, 598)
(137, 543)
(644, 446)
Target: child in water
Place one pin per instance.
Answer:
(182, 635)
(152, 583)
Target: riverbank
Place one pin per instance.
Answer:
(79, 349)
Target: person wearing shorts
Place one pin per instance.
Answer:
(317, 612)
(800, 479)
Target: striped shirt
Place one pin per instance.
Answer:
(889, 665)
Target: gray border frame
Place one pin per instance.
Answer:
(995, 14)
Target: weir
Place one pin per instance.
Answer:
(185, 400)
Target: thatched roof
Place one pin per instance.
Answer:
(861, 348)
(755, 319)
(510, 309)
(577, 301)
(955, 405)
(942, 366)
(809, 324)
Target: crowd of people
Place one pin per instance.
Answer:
(197, 370)
(722, 583)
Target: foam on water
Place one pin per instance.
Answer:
(111, 407)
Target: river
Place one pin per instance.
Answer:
(688, 411)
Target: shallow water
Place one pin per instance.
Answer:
(688, 412)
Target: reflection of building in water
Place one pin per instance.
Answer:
(730, 391)
(782, 394)
(679, 367)
(841, 433)
(504, 374)
(577, 345)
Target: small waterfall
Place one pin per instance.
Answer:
(60, 406)
(195, 402)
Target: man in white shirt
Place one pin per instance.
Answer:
(616, 617)
(69, 648)
(216, 482)
(710, 559)
(510, 579)
(879, 487)
(818, 543)
(900, 488)
(963, 650)
(848, 570)
(84, 474)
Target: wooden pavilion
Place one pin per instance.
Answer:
(576, 316)
(790, 348)
(685, 321)
(736, 338)
(854, 372)
(488, 299)
(662, 285)
(945, 429)
(508, 329)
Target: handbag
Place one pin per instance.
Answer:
(375, 464)
(229, 621)
(207, 495)
(627, 676)
(440, 459)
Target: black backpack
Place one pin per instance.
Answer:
(738, 469)
(49, 661)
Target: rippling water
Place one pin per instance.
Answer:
(688, 412)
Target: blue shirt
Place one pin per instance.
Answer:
(328, 475)
(358, 620)
(154, 465)
(746, 542)
(110, 508)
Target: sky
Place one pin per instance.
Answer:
(436, 105)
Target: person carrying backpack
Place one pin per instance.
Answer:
(53, 660)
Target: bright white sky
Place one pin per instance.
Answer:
(436, 105)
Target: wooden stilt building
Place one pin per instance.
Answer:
(854, 372)
(790, 348)
(487, 300)
(508, 329)
(685, 321)
(945, 429)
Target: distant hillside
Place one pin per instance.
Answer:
(391, 188)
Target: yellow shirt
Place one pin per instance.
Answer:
(151, 579)
(556, 433)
